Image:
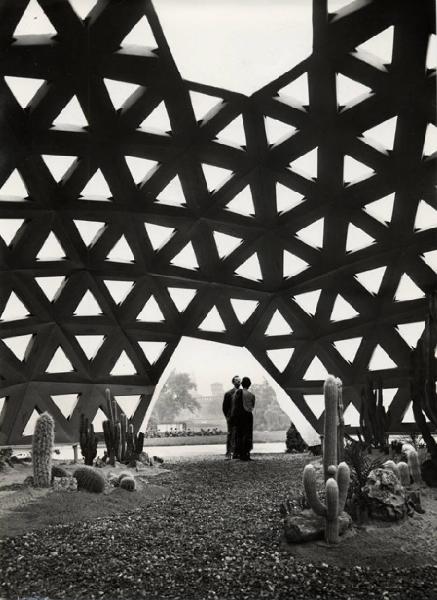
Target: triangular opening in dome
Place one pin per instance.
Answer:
(242, 203)
(306, 164)
(408, 290)
(140, 35)
(119, 91)
(342, 310)
(152, 350)
(140, 168)
(186, 258)
(90, 344)
(371, 280)
(293, 265)
(51, 249)
(349, 90)
(411, 332)
(225, 243)
(181, 297)
(426, 217)
(297, 89)
(158, 119)
(381, 45)
(29, 428)
(88, 306)
(203, 103)
(316, 370)
(14, 187)
(66, 403)
(381, 360)
(14, 309)
(98, 421)
(58, 165)
(351, 416)
(381, 209)
(308, 301)
(357, 239)
(355, 170)
(89, 231)
(59, 363)
(286, 199)
(215, 176)
(213, 321)
(151, 311)
(280, 357)
(18, 345)
(250, 268)
(121, 252)
(348, 348)
(34, 22)
(312, 234)
(9, 229)
(128, 404)
(383, 133)
(277, 131)
(431, 55)
(278, 325)
(97, 187)
(123, 366)
(233, 132)
(23, 88)
(158, 234)
(243, 308)
(51, 286)
(82, 7)
(71, 114)
(316, 403)
(430, 258)
(172, 194)
(118, 289)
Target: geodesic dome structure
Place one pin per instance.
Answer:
(279, 223)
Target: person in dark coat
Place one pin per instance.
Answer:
(228, 403)
(242, 420)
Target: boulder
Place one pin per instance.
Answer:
(385, 496)
(309, 527)
(65, 484)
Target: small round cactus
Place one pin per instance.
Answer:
(128, 483)
(123, 475)
(89, 479)
(42, 448)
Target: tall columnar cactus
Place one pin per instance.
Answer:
(340, 430)
(336, 494)
(373, 417)
(88, 440)
(331, 393)
(42, 448)
(121, 441)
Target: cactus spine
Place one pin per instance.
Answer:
(88, 440)
(336, 494)
(331, 392)
(42, 448)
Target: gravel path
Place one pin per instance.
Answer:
(216, 537)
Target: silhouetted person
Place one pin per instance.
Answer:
(242, 420)
(228, 402)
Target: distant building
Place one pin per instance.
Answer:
(217, 389)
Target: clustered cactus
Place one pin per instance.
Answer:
(89, 479)
(121, 441)
(88, 440)
(337, 479)
(406, 472)
(42, 448)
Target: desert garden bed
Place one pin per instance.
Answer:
(206, 528)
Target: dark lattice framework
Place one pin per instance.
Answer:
(49, 266)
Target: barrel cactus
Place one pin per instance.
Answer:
(128, 483)
(336, 494)
(89, 479)
(42, 448)
(123, 475)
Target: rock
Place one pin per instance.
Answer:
(308, 527)
(65, 484)
(429, 472)
(385, 496)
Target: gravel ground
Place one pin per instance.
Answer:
(216, 537)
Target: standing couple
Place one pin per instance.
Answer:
(238, 405)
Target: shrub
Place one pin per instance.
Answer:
(89, 479)
(128, 483)
(59, 472)
(294, 441)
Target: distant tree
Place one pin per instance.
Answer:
(268, 415)
(175, 396)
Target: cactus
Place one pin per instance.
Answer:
(88, 440)
(128, 483)
(331, 391)
(340, 430)
(89, 479)
(123, 475)
(390, 464)
(404, 473)
(58, 472)
(373, 418)
(42, 448)
(336, 494)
